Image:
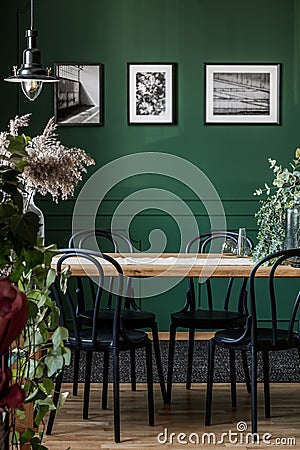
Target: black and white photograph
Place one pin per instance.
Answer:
(151, 93)
(79, 94)
(242, 93)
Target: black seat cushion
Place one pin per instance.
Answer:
(137, 319)
(105, 337)
(264, 338)
(206, 319)
(133, 318)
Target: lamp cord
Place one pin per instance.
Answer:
(20, 12)
(31, 15)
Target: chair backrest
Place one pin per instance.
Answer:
(68, 301)
(116, 238)
(274, 296)
(205, 239)
(201, 244)
(119, 242)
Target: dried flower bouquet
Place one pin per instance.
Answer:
(50, 167)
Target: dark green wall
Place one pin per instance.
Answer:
(188, 32)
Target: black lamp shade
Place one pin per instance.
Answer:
(31, 73)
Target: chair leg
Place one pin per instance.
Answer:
(266, 372)
(76, 371)
(116, 388)
(232, 377)
(158, 362)
(105, 379)
(87, 383)
(132, 370)
(148, 350)
(254, 393)
(190, 358)
(171, 361)
(246, 370)
(55, 401)
(210, 379)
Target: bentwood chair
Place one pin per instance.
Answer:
(209, 317)
(133, 316)
(100, 336)
(255, 337)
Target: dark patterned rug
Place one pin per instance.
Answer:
(284, 365)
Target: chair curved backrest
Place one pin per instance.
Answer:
(204, 239)
(81, 240)
(291, 257)
(202, 243)
(98, 265)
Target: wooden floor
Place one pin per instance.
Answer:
(184, 415)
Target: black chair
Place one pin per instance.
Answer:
(255, 337)
(112, 337)
(194, 318)
(133, 315)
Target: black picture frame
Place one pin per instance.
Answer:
(151, 93)
(242, 93)
(78, 97)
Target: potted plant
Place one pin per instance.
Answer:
(280, 199)
(39, 352)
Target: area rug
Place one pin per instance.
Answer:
(284, 365)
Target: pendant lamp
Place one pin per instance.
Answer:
(31, 73)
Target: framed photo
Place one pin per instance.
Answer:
(242, 93)
(151, 93)
(78, 97)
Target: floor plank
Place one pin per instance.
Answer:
(184, 415)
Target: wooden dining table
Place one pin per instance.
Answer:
(178, 265)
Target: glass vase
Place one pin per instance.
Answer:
(292, 231)
(30, 206)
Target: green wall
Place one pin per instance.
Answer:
(189, 33)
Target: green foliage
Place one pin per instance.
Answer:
(271, 223)
(271, 216)
(35, 441)
(40, 352)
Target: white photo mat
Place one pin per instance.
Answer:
(151, 93)
(242, 93)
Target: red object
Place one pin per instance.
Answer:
(10, 396)
(13, 316)
(13, 313)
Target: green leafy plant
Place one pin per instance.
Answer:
(271, 216)
(39, 353)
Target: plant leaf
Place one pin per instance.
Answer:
(60, 335)
(51, 276)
